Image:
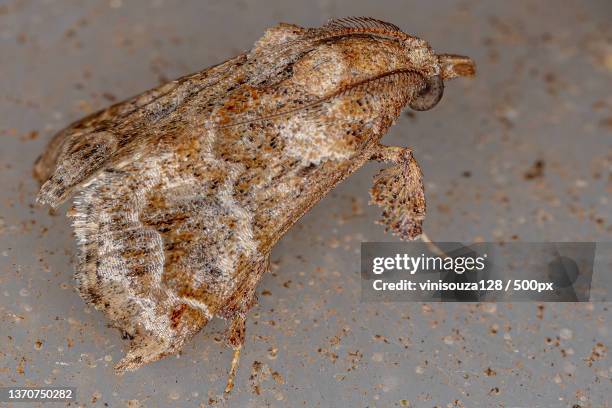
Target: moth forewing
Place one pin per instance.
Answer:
(181, 192)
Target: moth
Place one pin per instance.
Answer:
(180, 193)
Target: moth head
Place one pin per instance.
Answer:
(349, 51)
(435, 69)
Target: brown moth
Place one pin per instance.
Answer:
(181, 192)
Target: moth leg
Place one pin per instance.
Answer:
(399, 191)
(236, 340)
(243, 299)
(390, 154)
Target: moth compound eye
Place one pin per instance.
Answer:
(430, 95)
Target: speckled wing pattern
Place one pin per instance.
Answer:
(157, 255)
(165, 245)
(108, 137)
(182, 191)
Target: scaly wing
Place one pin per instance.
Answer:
(117, 134)
(163, 248)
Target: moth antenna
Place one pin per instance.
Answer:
(362, 23)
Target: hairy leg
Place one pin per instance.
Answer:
(399, 191)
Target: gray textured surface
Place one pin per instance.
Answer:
(542, 93)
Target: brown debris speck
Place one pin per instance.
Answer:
(598, 352)
(540, 312)
(21, 366)
(536, 170)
